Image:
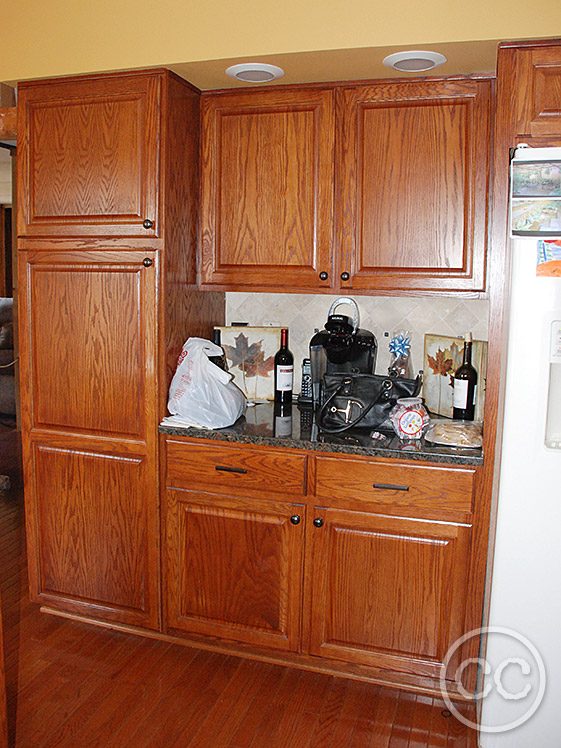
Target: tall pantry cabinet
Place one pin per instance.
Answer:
(107, 227)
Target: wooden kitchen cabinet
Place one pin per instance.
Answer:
(90, 331)
(89, 354)
(95, 538)
(367, 188)
(90, 157)
(533, 71)
(387, 591)
(105, 306)
(414, 185)
(365, 571)
(234, 568)
(267, 189)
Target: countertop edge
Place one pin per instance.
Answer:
(287, 443)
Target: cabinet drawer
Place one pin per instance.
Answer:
(234, 468)
(396, 484)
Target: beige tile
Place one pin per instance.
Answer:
(302, 313)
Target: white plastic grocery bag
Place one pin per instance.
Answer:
(201, 393)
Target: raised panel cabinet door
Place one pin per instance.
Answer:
(234, 568)
(89, 157)
(414, 189)
(386, 592)
(538, 91)
(88, 342)
(267, 189)
(93, 521)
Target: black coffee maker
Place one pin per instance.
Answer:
(342, 347)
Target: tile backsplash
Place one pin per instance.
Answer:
(303, 313)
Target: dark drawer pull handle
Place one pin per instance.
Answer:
(147, 223)
(390, 487)
(225, 469)
(295, 519)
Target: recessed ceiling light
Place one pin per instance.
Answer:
(255, 72)
(414, 61)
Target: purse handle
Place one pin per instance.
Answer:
(386, 386)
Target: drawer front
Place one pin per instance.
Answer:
(400, 485)
(234, 468)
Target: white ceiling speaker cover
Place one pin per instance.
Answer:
(414, 61)
(255, 72)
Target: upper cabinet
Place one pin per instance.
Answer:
(91, 157)
(533, 71)
(365, 188)
(414, 161)
(267, 189)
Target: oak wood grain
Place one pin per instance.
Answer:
(538, 97)
(414, 184)
(106, 305)
(90, 161)
(183, 311)
(416, 486)
(91, 342)
(386, 589)
(234, 568)
(96, 531)
(234, 468)
(267, 188)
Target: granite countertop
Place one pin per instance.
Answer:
(296, 430)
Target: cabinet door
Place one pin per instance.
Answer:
(88, 342)
(537, 72)
(234, 568)
(387, 592)
(89, 157)
(414, 191)
(93, 527)
(267, 189)
(87, 349)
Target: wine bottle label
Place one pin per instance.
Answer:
(284, 378)
(460, 393)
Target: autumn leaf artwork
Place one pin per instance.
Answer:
(444, 364)
(250, 355)
(442, 357)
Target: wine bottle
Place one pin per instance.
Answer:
(219, 360)
(284, 371)
(465, 385)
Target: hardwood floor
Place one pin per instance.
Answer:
(71, 685)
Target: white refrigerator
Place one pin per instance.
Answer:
(521, 691)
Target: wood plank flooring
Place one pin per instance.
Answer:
(71, 685)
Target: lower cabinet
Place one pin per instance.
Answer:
(234, 568)
(93, 532)
(386, 591)
(377, 581)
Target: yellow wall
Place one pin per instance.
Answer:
(70, 36)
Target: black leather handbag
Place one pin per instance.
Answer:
(361, 400)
